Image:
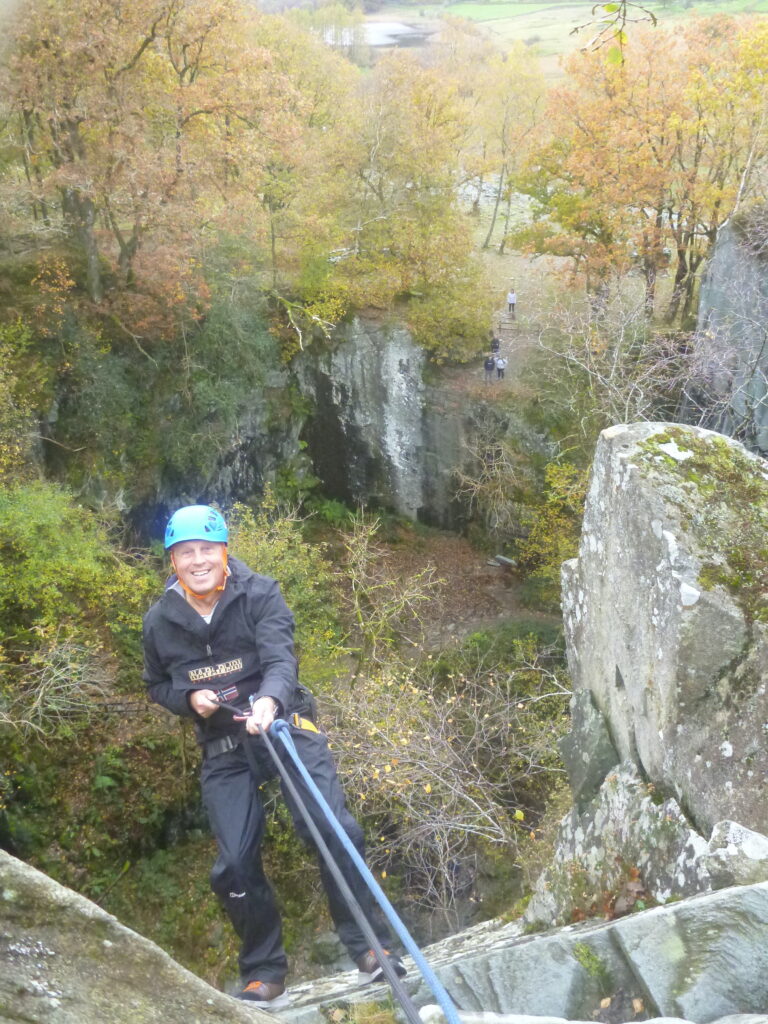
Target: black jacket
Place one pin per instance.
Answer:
(248, 644)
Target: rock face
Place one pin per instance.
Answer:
(365, 435)
(664, 615)
(369, 418)
(626, 849)
(664, 612)
(385, 429)
(730, 350)
(698, 960)
(64, 961)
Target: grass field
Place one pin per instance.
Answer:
(549, 27)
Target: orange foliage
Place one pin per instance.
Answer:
(649, 155)
(137, 125)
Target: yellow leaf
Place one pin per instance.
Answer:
(427, 788)
(605, 1003)
(614, 55)
(519, 816)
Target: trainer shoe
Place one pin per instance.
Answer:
(369, 969)
(268, 994)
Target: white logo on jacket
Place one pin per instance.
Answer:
(213, 671)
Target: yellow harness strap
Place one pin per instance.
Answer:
(303, 723)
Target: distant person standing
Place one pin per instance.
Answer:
(512, 300)
(489, 366)
(501, 365)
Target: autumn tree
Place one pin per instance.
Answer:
(134, 125)
(648, 156)
(404, 234)
(295, 189)
(383, 609)
(451, 761)
(503, 94)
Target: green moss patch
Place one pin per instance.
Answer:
(724, 500)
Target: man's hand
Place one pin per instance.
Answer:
(203, 702)
(263, 714)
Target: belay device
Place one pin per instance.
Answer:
(281, 728)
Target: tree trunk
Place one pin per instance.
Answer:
(27, 134)
(651, 272)
(478, 196)
(127, 249)
(81, 212)
(689, 298)
(273, 249)
(678, 289)
(488, 237)
(507, 213)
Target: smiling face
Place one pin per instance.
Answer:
(200, 565)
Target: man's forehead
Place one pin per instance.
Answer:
(188, 545)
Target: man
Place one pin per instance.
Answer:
(219, 625)
(501, 365)
(489, 366)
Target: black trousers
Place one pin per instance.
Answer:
(232, 799)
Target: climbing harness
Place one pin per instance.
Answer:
(282, 729)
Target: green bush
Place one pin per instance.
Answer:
(554, 528)
(60, 574)
(270, 541)
(450, 319)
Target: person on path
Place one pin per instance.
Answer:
(489, 365)
(501, 365)
(512, 300)
(495, 344)
(221, 625)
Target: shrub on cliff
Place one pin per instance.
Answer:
(63, 583)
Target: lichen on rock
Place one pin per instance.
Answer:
(664, 611)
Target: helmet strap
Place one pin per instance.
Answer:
(192, 593)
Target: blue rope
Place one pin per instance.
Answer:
(282, 729)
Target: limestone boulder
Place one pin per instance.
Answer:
(625, 850)
(665, 611)
(702, 959)
(587, 750)
(735, 855)
(63, 960)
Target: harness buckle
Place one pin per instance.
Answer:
(214, 748)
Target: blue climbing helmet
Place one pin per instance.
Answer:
(195, 522)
